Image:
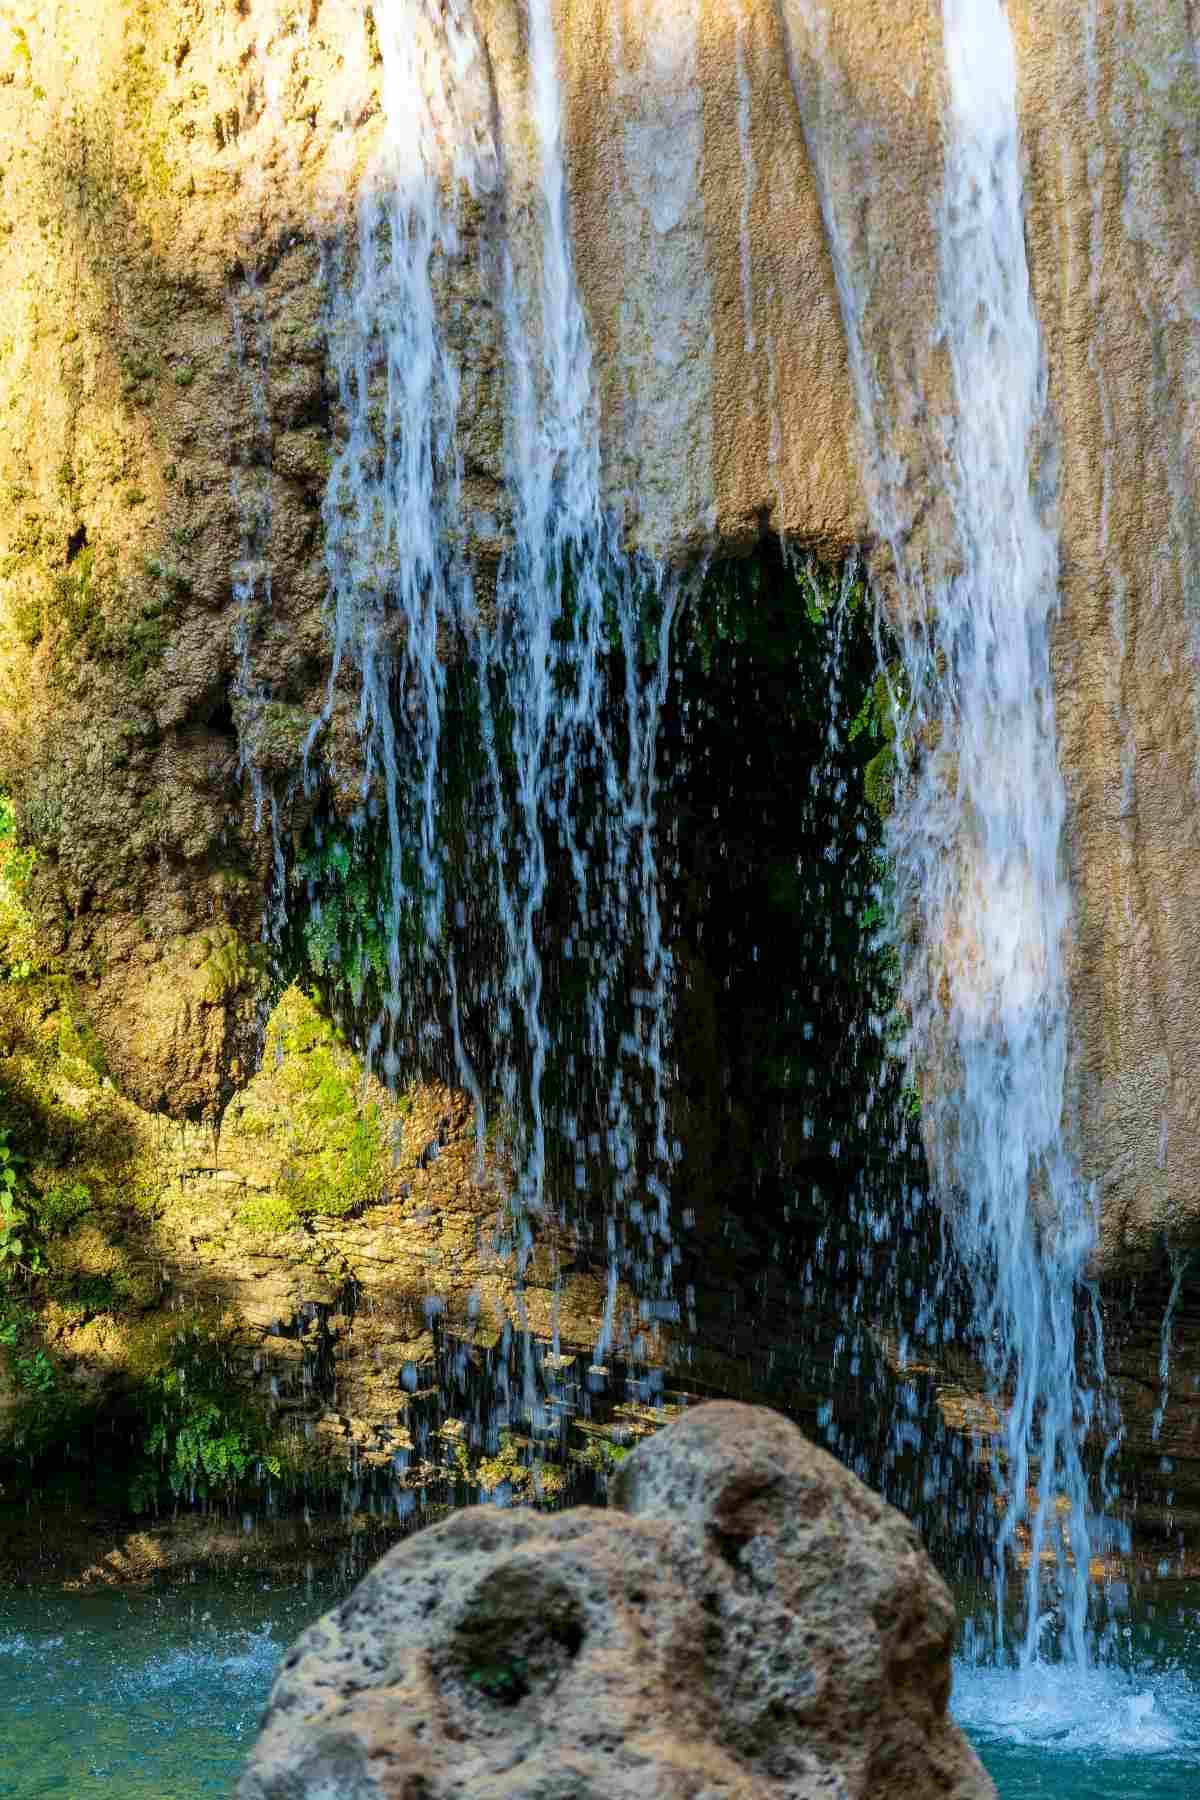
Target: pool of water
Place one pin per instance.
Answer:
(1127, 1731)
(1104, 1736)
(138, 1696)
(144, 1696)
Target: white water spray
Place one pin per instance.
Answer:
(975, 841)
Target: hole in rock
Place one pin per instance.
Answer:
(519, 1635)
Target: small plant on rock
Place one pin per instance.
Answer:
(12, 1213)
(203, 1440)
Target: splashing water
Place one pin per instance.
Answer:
(1080, 1733)
(975, 840)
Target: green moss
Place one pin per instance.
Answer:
(79, 1045)
(91, 612)
(230, 965)
(334, 1155)
(269, 1214)
(19, 955)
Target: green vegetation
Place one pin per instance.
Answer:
(30, 1218)
(877, 720)
(345, 925)
(12, 1213)
(18, 947)
(230, 964)
(512, 1465)
(506, 1682)
(336, 1158)
(88, 611)
(203, 1436)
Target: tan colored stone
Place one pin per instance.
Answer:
(755, 1622)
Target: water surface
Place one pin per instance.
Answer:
(133, 1695)
(1127, 1731)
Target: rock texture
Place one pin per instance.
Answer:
(752, 1622)
(145, 174)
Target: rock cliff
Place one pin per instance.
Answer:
(179, 180)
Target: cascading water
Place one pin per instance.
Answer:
(392, 495)
(975, 840)
(978, 847)
(566, 662)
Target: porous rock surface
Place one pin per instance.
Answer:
(750, 1621)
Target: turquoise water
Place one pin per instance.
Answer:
(1127, 1731)
(1106, 1736)
(138, 1696)
(142, 1696)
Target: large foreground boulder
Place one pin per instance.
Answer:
(749, 1622)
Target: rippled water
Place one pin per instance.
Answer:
(138, 1696)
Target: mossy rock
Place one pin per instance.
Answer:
(307, 1106)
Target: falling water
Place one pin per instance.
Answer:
(994, 912)
(251, 482)
(568, 660)
(570, 608)
(975, 841)
(1180, 1261)
(391, 502)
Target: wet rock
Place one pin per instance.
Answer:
(750, 1621)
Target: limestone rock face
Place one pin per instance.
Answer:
(180, 181)
(162, 398)
(753, 1622)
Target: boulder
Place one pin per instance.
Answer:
(748, 1621)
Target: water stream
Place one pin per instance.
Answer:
(975, 839)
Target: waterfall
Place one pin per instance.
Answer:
(556, 644)
(996, 907)
(560, 657)
(391, 503)
(975, 841)
(570, 608)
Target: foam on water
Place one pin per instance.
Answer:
(1063, 1711)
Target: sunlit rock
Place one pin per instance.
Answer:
(753, 1621)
